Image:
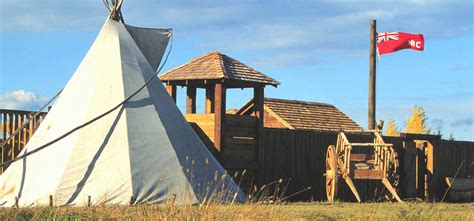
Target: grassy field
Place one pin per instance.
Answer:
(300, 211)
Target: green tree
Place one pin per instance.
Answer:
(416, 123)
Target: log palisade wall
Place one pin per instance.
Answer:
(449, 157)
(296, 156)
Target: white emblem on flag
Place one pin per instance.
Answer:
(387, 36)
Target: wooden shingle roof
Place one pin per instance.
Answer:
(302, 115)
(311, 115)
(215, 65)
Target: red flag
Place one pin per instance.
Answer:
(389, 42)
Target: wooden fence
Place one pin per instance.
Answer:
(451, 157)
(10, 121)
(298, 157)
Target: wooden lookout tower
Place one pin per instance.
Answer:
(234, 139)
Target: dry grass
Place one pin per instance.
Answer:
(301, 211)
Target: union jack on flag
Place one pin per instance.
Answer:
(387, 36)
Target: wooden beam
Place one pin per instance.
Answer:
(219, 115)
(171, 91)
(191, 100)
(209, 100)
(203, 83)
(258, 97)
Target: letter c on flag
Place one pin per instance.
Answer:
(418, 44)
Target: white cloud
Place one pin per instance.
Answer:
(21, 100)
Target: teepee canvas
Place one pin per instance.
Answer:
(143, 152)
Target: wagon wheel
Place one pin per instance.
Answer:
(393, 176)
(331, 173)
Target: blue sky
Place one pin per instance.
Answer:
(318, 50)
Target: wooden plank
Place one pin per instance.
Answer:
(201, 118)
(13, 140)
(25, 133)
(361, 157)
(240, 120)
(19, 136)
(236, 155)
(368, 174)
(30, 129)
(191, 100)
(7, 146)
(240, 132)
(243, 129)
(4, 137)
(241, 141)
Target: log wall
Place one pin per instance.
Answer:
(299, 157)
(451, 158)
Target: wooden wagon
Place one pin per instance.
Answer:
(349, 160)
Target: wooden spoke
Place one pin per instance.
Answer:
(392, 179)
(331, 173)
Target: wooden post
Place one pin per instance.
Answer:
(132, 199)
(258, 96)
(89, 201)
(219, 115)
(16, 202)
(191, 100)
(19, 145)
(171, 91)
(431, 185)
(209, 100)
(51, 201)
(12, 130)
(372, 76)
(4, 132)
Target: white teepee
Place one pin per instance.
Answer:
(143, 152)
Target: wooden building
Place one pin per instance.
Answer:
(234, 139)
(301, 115)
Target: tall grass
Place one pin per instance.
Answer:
(309, 211)
(265, 203)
